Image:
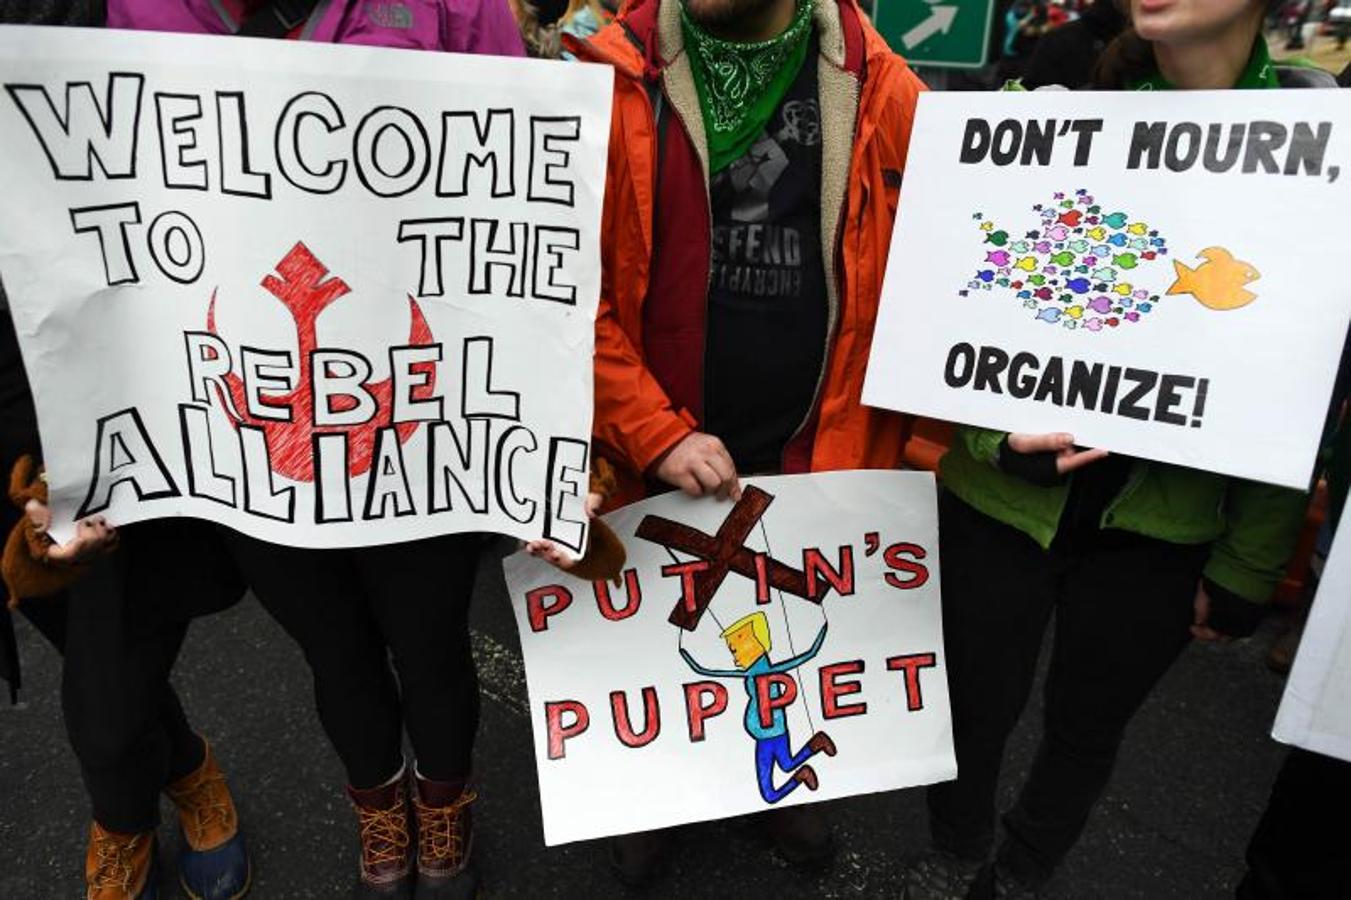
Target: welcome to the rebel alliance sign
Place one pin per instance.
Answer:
(325, 295)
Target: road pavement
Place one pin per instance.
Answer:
(1192, 780)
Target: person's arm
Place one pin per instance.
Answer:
(790, 664)
(1248, 560)
(709, 673)
(634, 418)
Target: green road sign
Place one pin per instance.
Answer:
(937, 32)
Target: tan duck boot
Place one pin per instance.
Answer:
(120, 866)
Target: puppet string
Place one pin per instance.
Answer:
(792, 648)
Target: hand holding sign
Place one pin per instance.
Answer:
(700, 465)
(1067, 456)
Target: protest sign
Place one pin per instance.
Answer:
(325, 295)
(782, 649)
(1315, 710)
(1154, 273)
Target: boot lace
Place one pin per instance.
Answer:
(114, 855)
(208, 802)
(384, 835)
(440, 829)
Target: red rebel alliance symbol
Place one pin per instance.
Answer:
(302, 286)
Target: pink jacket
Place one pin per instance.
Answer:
(462, 26)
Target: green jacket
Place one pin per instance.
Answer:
(1252, 527)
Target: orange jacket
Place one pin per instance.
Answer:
(656, 247)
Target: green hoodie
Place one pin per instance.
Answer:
(1252, 527)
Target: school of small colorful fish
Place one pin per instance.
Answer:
(1077, 268)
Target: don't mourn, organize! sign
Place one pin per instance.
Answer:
(1155, 273)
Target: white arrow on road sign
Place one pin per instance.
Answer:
(940, 20)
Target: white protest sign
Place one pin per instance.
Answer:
(1155, 273)
(325, 295)
(1315, 710)
(783, 649)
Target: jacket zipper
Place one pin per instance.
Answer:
(1136, 476)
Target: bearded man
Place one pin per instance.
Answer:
(756, 157)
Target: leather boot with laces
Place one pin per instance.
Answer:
(386, 841)
(214, 861)
(445, 827)
(120, 866)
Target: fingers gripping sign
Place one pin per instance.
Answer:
(700, 465)
(1068, 457)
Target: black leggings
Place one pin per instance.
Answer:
(353, 610)
(128, 756)
(1123, 610)
(124, 624)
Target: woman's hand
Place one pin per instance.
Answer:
(1067, 456)
(93, 536)
(551, 552)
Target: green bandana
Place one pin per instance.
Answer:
(1258, 73)
(740, 85)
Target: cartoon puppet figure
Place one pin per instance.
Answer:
(749, 642)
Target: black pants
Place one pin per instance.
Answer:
(130, 740)
(1302, 847)
(351, 611)
(125, 624)
(1123, 607)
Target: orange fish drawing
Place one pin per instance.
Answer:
(1219, 282)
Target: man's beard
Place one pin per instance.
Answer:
(720, 14)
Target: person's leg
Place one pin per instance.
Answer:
(122, 635)
(317, 599)
(1123, 618)
(420, 592)
(788, 761)
(1300, 846)
(769, 751)
(187, 750)
(118, 653)
(998, 590)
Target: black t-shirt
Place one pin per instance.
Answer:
(767, 288)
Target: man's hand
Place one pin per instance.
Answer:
(700, 465)
(1067, 458)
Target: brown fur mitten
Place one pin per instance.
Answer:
(25, 568)
(603, 480)
(604, 556)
